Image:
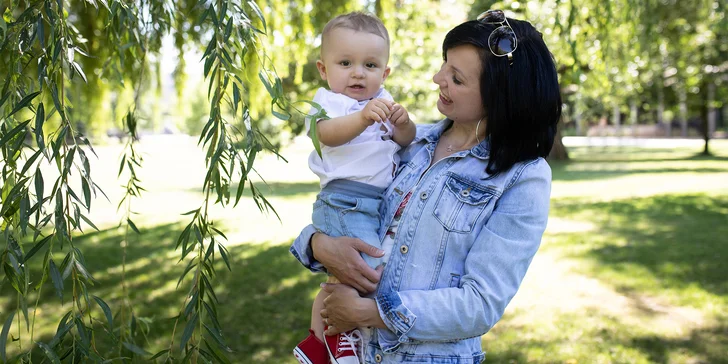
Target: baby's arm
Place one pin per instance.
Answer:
(404, 128)
(341, 130)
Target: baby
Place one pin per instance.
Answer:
(359, 142)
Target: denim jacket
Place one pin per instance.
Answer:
(464, 243)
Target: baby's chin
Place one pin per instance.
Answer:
(359, 97)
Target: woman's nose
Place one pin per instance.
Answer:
(437, 78)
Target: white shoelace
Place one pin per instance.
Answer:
(349, 342)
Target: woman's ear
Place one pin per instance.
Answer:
(321, 68)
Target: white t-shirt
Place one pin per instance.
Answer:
(371, 157)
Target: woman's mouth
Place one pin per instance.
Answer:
(445, 100)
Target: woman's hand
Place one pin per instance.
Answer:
(344, 310)
(341, 257)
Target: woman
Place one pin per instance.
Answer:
(466, 212)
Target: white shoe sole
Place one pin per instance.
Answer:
(302, 358)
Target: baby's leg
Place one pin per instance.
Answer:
(317, 323)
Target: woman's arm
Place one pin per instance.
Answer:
(339, 256)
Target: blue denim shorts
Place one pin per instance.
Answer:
(350, 208)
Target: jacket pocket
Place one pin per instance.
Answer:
(460, 204)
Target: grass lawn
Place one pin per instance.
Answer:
(630, 269)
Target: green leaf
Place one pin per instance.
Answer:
(86, 219)
(39, 120)
(30, 161)
(82, 269)
(36, 247)
(49, 353)
(38, 185)
(189, 329)
(280, 115)
(223, 253)
(192, 304)
(86, 193)
(107, 311)
(218, 337)
(24, 218)
(77, 68)
(259, 13)
(267, 84)
(159, 354)
(135, 349)
(219, 356)
(4, 335)
(190, 265)
(56, 278)
(16, 130)
(212, 314)
(23, 103)
(63, 327)
(133, 227)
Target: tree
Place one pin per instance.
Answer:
(626, 56)
(46, 50)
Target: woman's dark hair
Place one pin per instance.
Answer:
(522, 101)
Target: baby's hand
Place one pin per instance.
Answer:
(377, 110)
(399, 116)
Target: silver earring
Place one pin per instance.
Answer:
(477, 126)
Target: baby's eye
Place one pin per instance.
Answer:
(345, 63)
(371, 65)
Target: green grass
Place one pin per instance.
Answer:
(630, 270)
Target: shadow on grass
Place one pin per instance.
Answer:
(681, 240)
(264, 303)
(710, 343)
(591, 336)
(607, 162)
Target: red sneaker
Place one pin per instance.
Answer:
(311, 350)
(344, 347)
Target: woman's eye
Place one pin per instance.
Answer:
(456, 81)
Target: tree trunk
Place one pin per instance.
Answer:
(683, 112)
(616, 119)
(706, 111)
(558, 151)
(577, 114)
(633, 114)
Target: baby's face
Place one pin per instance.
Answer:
(354, 63)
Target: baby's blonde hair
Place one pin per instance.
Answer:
(356, 21)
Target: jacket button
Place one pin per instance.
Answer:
(465, 193)
(404, 249)
(378, 358)
(423, 195)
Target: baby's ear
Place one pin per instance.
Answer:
(386, 73)
(322, 69)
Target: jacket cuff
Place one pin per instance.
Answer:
(301, 250)
(398, 318)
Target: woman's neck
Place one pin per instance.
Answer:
(463, 136)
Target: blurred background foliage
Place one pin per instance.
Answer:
(621, 62)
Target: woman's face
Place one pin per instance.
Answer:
(459, 81)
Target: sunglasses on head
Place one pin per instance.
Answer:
(502, 41)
